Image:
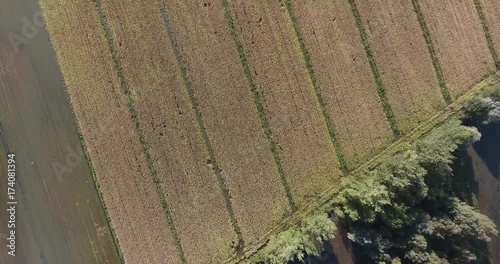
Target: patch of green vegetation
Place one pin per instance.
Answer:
(477, 109)
(406, 211)
(376, 75)
(201, 124)
(486, 29)
(293, 244)
(432, 53)
(258, 103)
(312, 75)
(135, 116)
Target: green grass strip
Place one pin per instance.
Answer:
(258, 102)
(135, 116)
(189, 87)
(435, 61)
(487, 34)
(376, 75)
(312, 75)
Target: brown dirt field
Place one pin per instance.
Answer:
(403, 60)
(492, 13)
(101, 108)
(329, 33)
(231, 118)
(171, 129)
(459, 41)
(280, 75)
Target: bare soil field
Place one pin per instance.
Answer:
(171, 129)
(231, 117)
(492, 14)
(278, 69)
(403, 60)
(112, 140)
(344, 77)
(59, 218)
(459, 41)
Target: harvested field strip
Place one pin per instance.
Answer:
(459, 42)
(231, 119)
(373, 65)
(317, 89)
(189, 87)
(389, 152)
(402, 60)
(343, 73)
(131, 104)
(180, 155)
(432, 53)
(287, 96)
(258, 103)
(486, 28)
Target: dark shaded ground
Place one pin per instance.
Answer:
(477, 178)
(59, 218)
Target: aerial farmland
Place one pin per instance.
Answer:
(210, 126)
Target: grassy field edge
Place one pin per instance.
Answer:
(258, 103)
(135, 116)
(394, 148)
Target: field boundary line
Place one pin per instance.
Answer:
(258, 103)
(87, 157)
(201, 124)
(388, 152)
(389, 114)
(432, 52)
(487, 33)
(317, 90)
(135, 116)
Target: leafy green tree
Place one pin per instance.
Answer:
(293, 244)
(405, 210)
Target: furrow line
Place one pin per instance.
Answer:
(189, 87)
(432, 52)
(376, 75)
(135, 116)
(487, 33)
(317, 89)
(258, 103)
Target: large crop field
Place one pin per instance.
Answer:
(212, 125)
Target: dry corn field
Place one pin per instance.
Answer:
(210, 123)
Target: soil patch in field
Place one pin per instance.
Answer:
(59, 216)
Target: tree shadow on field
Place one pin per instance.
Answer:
(488, 148)
(339, 250)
